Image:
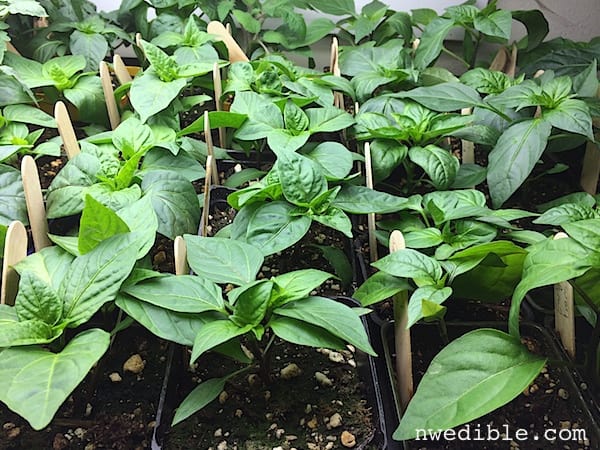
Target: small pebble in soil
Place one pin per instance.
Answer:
(160, 258)
(115, 377)
(238, 413)
(336, 357)
(290, 371)
(347, 439)
(267, 395)
(79, 432)
(13, 432)
(135, 364)
(312, 423)
(90, 446)
(352, 363)
(223, 396)
(60, 442)
(279, 432)
(252, 379)
(562, 393)
(218, 432)
(222, 445)
(88, 410)
(308, 408)
(334, 421)
(323, 379)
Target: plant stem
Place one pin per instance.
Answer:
(443, 331)
(455, 56)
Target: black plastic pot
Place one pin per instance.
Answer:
(456, 329)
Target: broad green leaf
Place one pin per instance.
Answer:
(335, 7)
(585, 232)
(301, 333)
(335, 218)
(425, 238)
(93, 46)
(132, 136)
(440, 165)
(246, 20)
(380, 286)
(586, 84)
(215, 333)
(296, 285)
(273, 227)
(200, 396)
(95, 278)
(536, 25)
(416, 308)
(223, 260)
(432, 41)
(469, 175)
(28, 114)
(37, 300)
(294, 118)
(497, 24)
(27, 71)
(140, 216)
(12, 197)
(514, 157)
(334, 159)
(216, 119)
(50, 264)
(337, 318)
(37, 381)
(251, 303)
(338, 260)
(183, 163)
(362, 200)
(444, 97)
(150, 95)
(174, 200)
(88, 97)
(97, 224)
(563, 214)
(29, 332)
(245, 175)
(386, 155)
(328, 119)
(181, 293)
(571, 115)
(301, 178)
(409, 263)
(471, 376)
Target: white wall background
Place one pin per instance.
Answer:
(575, 19)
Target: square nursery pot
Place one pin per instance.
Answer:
(376, 398)
(554, 388)
(365, 371)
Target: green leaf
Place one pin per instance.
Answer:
(251, 303)
(469, 175)
(380, 286)
(337, 318)
(409, 263)
(294, 118)
(37, 300)
(362, 200)
(301, 178)
(50, 264)
(425, 238)
(37, 381)
(244, 176)
(515, 155)
(273, 227)
(216, 119)
(386, 155)
(28, 114)
(181, 293)
(335, 7)
(12, 198)
(223, 260)
(432, 41)
(150, 95)
(301, 333)
(334, 159)
(296, 285)
(88, 97)
(585, 84)
(334, 218)
(439, 164)
(95, 278)
(586, 233)
(215, 333)
(444, 97)
(166, 324)
(183, 163)
(497, 24)
(571, 115)
(563, 214)
(328, 119)
(338, 260)
(27, 71)
(174, 201)
(97, 224)
(132, 136)
(470, 377)
(92, 46)
(416, 303)
(536, 25)
(200, 396)
(246, 20)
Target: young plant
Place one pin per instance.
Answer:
(43, 362)
(255, 312)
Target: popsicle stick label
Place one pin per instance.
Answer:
(121, 72)
(235, 51)
(180, 253)
(15, 249)
(66, 131)
(35, 203)
(109, 96)
(214, 177)
(370, 217)
(564, 311)
(218, 93)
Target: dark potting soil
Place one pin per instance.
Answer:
(102, 413)
(546, 407)
(299, 412)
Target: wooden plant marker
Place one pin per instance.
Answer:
(564, 311)
(218, 93)
(121, 72)
(11, 48)
(511, 65)
(402, 334)
(109, 96)
(214, 174)
(180, 252)
(35, 203)
(500, 60)
(334, 67)
(15, 249)
(206, 204)
(138, 41)
(66, 131)
(468, 147)
(371, 216)
(235, 51)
